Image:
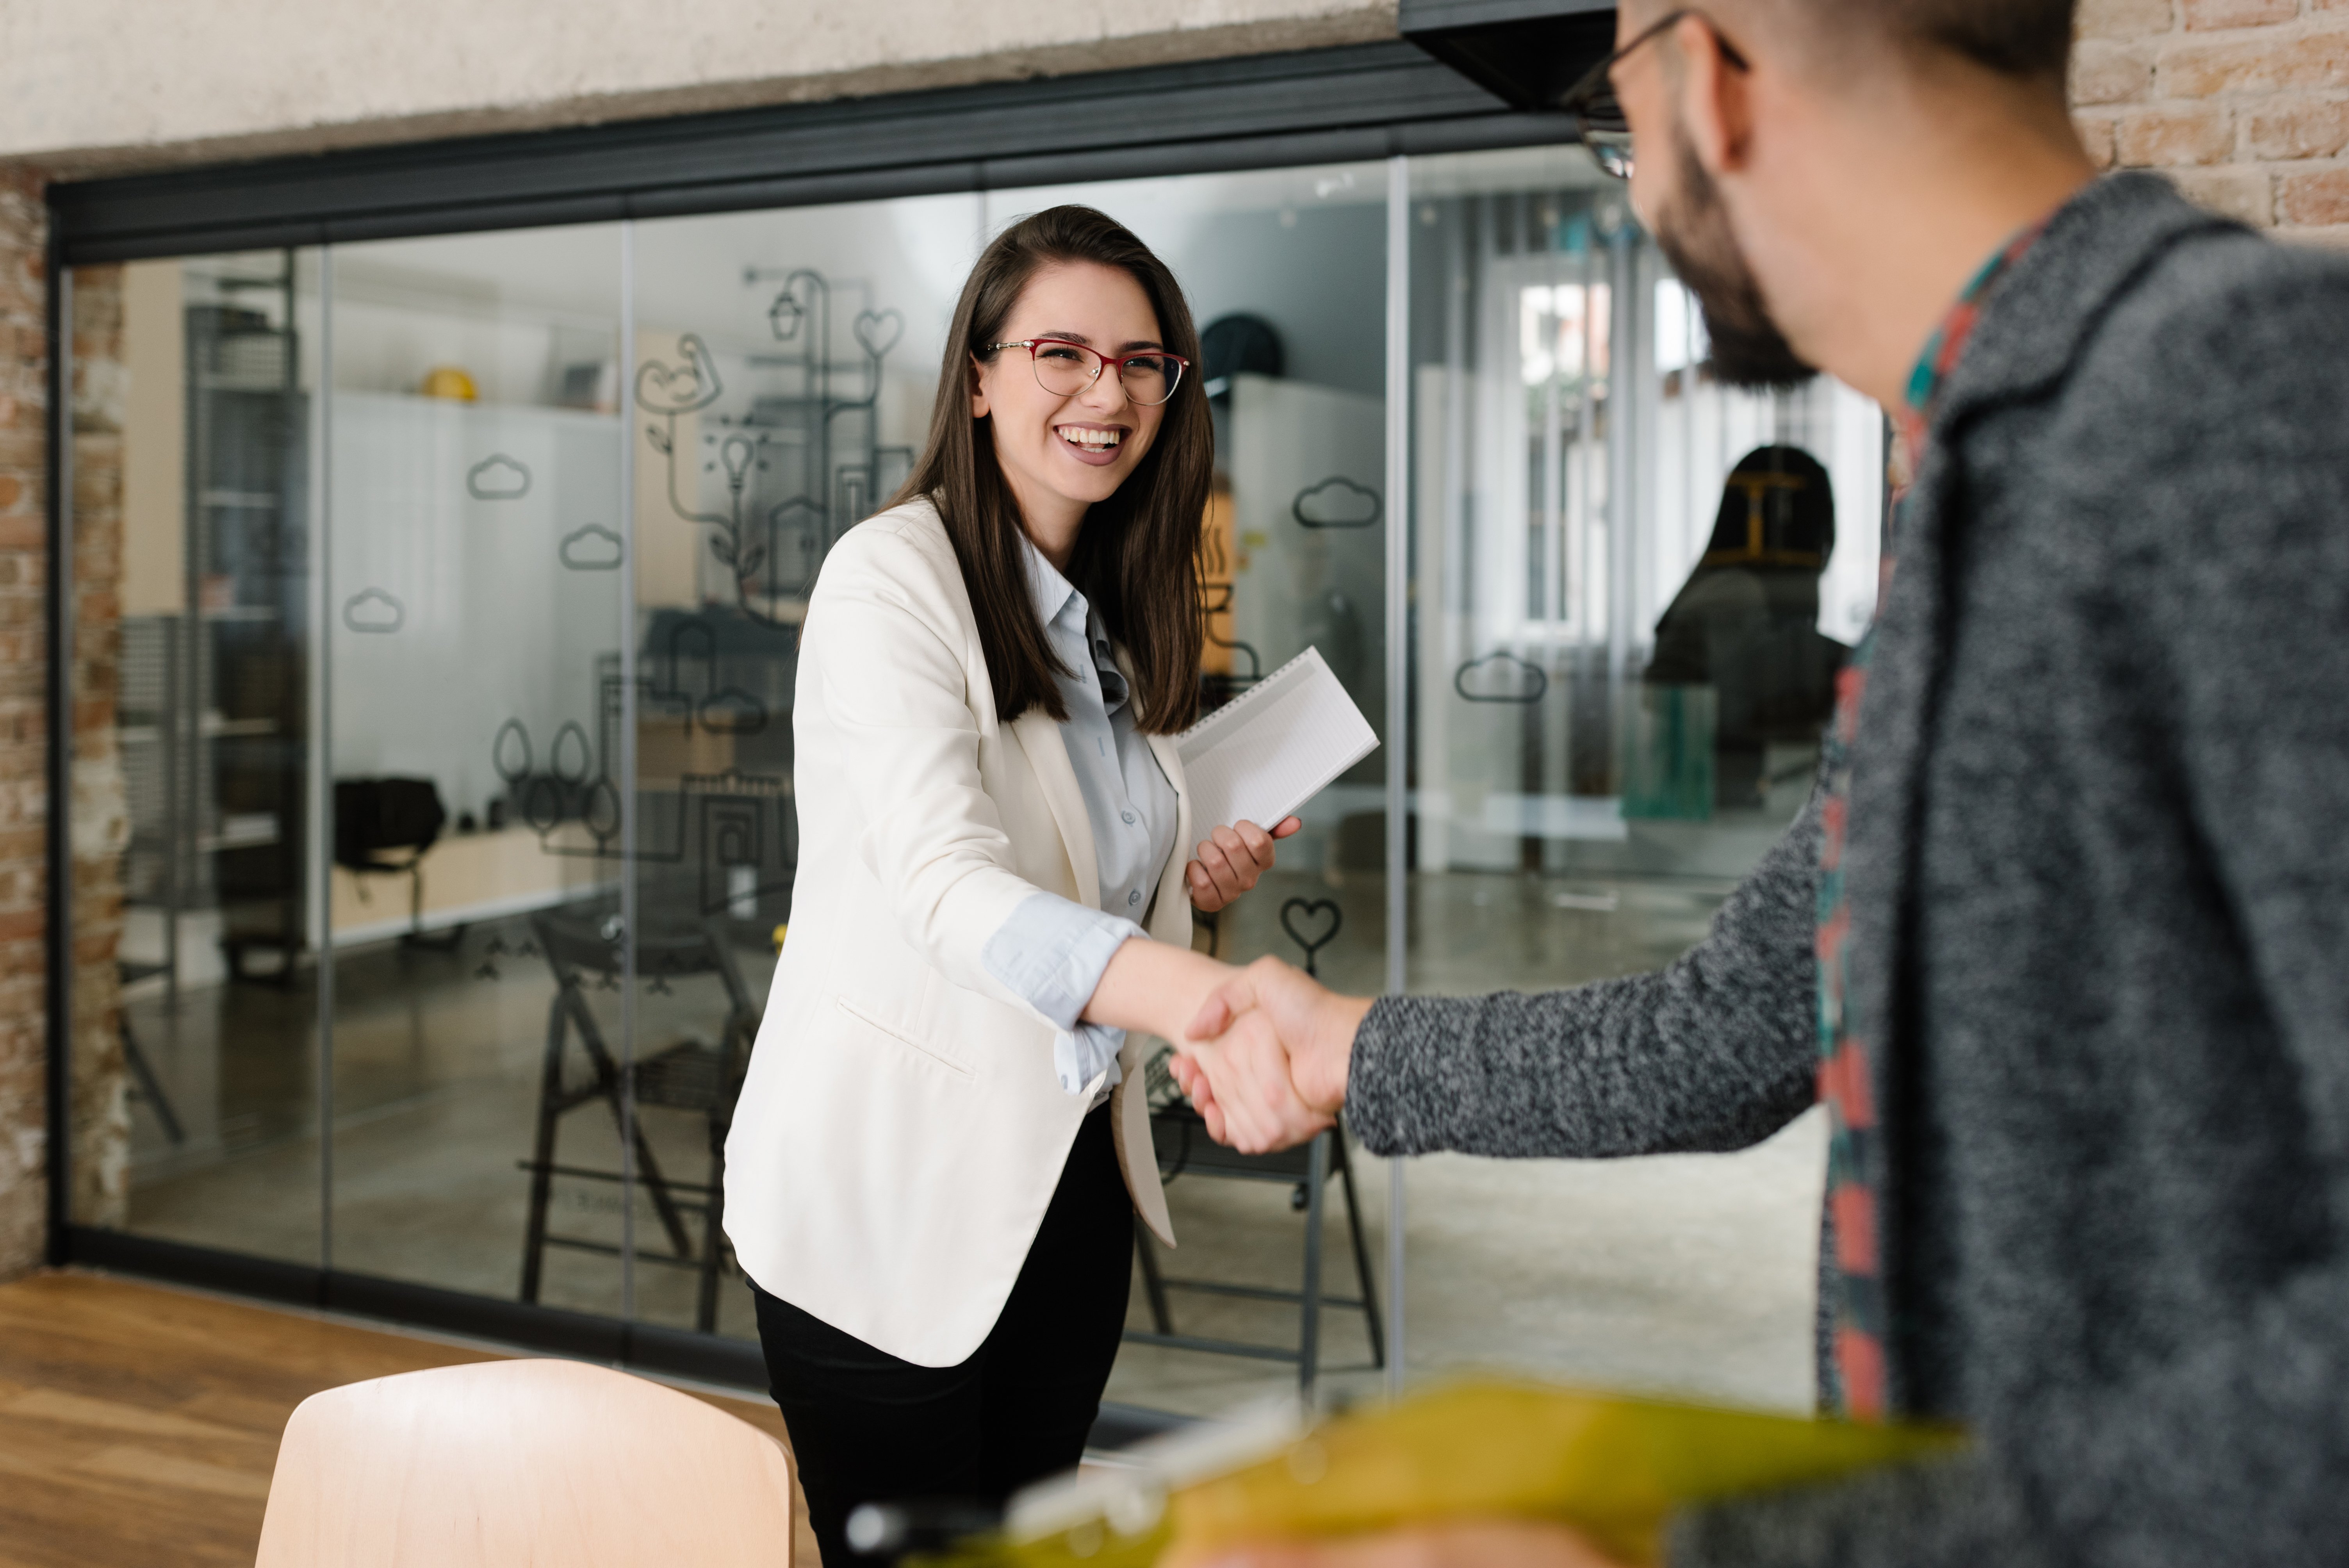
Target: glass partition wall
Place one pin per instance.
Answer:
(439, 601)
(1628, 600)
(195, 418)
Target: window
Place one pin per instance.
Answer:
(439, 598)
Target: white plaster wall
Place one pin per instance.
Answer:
(88, 85)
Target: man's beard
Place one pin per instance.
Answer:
(1747, 348)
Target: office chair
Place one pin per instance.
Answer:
(385, 826)
(508, 1462)
(688, 1076)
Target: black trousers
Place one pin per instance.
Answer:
(868, 1428)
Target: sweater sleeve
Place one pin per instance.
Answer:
(1715, 1052)
(1953, 1513)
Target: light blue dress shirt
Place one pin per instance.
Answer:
(1053, 950)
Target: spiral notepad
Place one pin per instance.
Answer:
(1264, 754)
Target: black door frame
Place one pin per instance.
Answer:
(1321, 106)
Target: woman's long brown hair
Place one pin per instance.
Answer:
(1135, 556)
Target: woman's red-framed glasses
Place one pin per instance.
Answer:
(1064, 369)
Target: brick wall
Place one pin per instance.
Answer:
(2245, 103)
(24, 535)
(100, 1116)
(100, 818)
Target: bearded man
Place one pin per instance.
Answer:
(2062, 939)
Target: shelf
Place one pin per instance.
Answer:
(253, 500)
(212, 729)
(242, 612)
(275, 385)
(239, 835)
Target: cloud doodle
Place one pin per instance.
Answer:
(591, 549)
(373, 610)
(1337, 502)
(732, 711)
(498, 477)
(1500, 677)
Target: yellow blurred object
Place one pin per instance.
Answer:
(449, 382)
(781, 932)
(1613, 1468)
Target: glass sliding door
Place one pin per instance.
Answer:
(1630, 599)
(195, 1101)
(473, 594)
(437, 609)
(1286, 275)
(784, 364)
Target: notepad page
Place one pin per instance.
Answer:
(1277, 746)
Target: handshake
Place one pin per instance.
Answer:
(1265, 1061)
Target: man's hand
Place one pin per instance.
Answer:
(1474, 1543)
(1266, 1059)
(1229, 861)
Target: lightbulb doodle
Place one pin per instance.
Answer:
(800, 463)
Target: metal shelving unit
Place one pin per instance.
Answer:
(213, 707)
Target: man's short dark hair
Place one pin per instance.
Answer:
(2028, 38)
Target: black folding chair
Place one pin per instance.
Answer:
(1180, 1137)
(690, 1074)
(145, 1085)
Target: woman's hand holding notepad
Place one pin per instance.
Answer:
(1265, 753)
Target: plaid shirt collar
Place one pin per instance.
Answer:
(1948, 344)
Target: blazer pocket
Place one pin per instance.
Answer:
(925, 1054)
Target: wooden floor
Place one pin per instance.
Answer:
(139, 1425)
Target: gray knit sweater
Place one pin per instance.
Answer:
(2098, 861)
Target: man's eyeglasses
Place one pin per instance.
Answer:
(1598, 113)
(1065, 368)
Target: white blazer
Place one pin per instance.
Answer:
(901, 1130)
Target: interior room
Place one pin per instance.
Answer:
(441, 837)
(460, 581)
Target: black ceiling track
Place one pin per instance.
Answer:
(1526, 53)
(1367, 100)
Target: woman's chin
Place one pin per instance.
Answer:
(1087, 483)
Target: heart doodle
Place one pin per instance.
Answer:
(870, 331)
(1314, 908)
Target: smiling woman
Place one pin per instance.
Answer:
(943, 1142)
(1055, 438)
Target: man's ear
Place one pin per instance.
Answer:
(1716, 101)
(977, 390)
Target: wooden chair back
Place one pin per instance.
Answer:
(510, 1463)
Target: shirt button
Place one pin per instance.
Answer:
(1133, 897)
(1129, 817)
